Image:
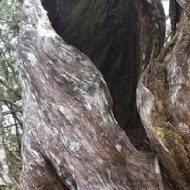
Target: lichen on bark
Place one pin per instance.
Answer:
(170, 114)
(71, 138)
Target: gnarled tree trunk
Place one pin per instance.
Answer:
(71, 138)
(163, 103)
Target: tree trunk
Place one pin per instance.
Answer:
(109, 36)
(71, 139)
(165, 112)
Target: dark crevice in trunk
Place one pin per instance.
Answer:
(108, 32)
(54, 173)
(174, 13)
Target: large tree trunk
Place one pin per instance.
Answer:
(163, 103)
(109, 36)
(71, 139)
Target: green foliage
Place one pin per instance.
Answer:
(9, 19)
(10, 85)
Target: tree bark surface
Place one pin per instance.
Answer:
(163, 104)
(109, 36)
(71, 139)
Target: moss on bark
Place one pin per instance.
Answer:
(108, 33)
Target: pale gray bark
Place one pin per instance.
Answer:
(71, 138)
(163, 104)
(185, 4)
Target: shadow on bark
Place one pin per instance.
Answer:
(68, 108)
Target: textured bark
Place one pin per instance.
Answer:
(165, 112)
(108, 32)
(71, 138)
(185, 4)
(152, 20)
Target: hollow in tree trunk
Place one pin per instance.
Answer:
(71, 139)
